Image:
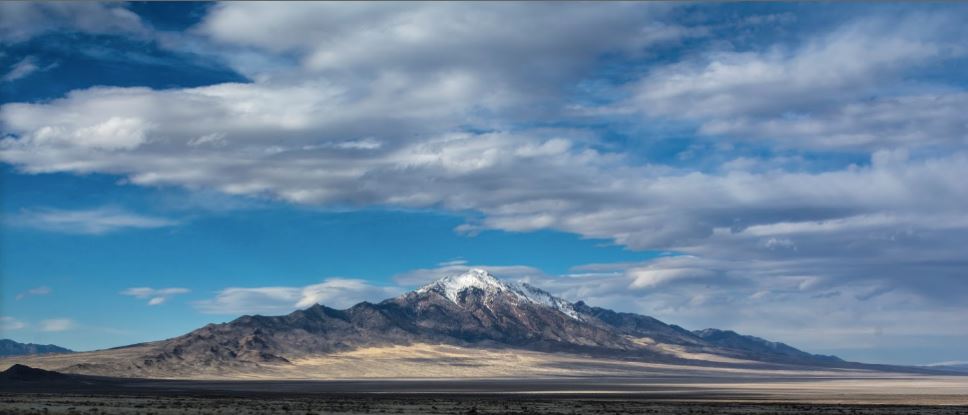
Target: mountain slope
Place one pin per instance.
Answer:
(469, 311)
(12, 348)
(637, 325)
(752, 347)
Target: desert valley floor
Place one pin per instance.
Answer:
(430, 379)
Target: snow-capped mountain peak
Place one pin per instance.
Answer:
(452, 286)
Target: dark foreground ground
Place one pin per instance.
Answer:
(423, 404)
(26, 390)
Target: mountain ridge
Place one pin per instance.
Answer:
(9, 347)
(471, 310)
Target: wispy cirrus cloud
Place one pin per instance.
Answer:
(8, 323)
(155, 296)
(24, 68)
(95, 221)
(42, 290)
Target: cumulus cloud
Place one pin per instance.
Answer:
(332, 292)
(91, 221)
(57, 324)
(42, 290)
(155, 296)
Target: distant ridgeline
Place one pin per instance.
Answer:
(11, 348)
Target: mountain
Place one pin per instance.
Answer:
(473, 311)
(473, 308)
(11, 348)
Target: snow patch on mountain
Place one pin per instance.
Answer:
(452, 286)
(540, 296)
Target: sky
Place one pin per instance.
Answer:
(791, 171)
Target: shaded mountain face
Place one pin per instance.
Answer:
(639, 326)
(12, 348)
(473, 309)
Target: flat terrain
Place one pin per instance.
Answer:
(665, 395)
(429, 404)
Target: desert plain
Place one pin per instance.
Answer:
(432, 379)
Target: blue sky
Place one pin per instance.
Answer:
(786, 170)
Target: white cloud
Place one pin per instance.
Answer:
(57, 324)
(9, 324)
(23, 20)
(21, 69)
(905, 121)
(332, 292)
(949, 363)
(846, 89)
(24, 68)
(257, 300)
(155, 296)
(216, 139)
(420, 40)
(524, 181)
(649, 277)
(113, 134)
(42, 290)
(92, 221)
